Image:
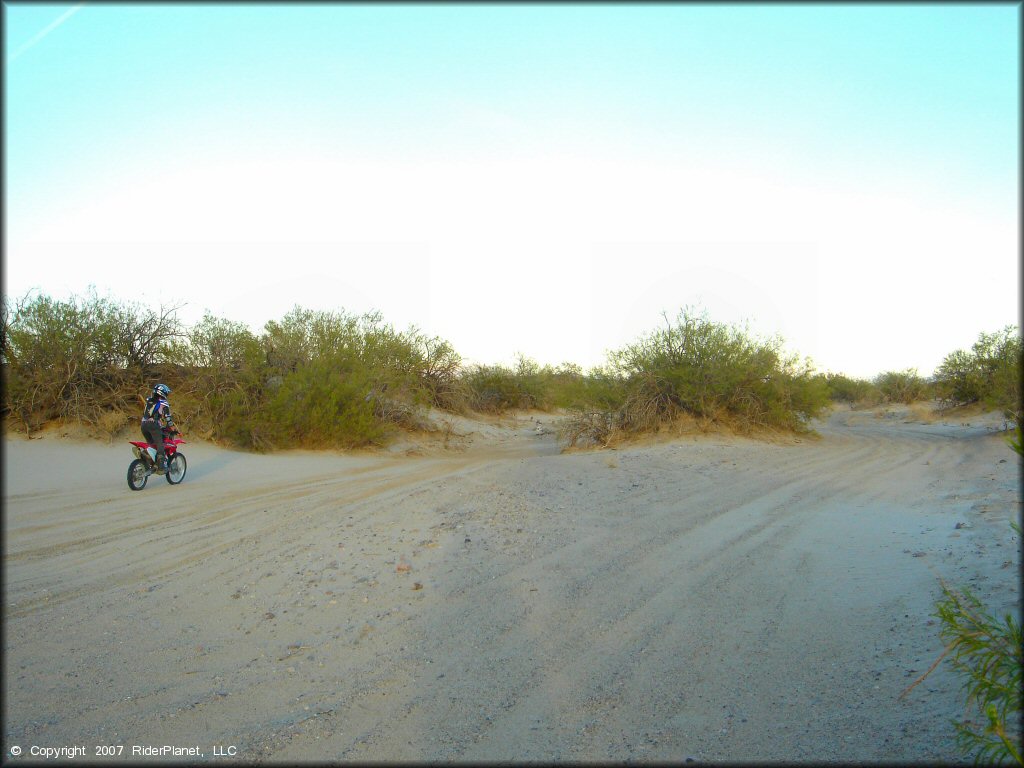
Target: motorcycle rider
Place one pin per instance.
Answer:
(158, 410)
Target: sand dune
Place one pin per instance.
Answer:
(716, 598)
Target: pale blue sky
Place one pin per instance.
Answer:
(529, 178)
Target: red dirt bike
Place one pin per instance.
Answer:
(145, 464)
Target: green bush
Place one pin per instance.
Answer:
(531, 386)
(224, 387)
(990, 374)
(438, 369)
(902, 386)
(564, 384)
(313, 378)
(594, 403)
(696, 367)
(334, 378)
(987, 652)
(570, 388)
(80, 359)
(322, 405)
(497, 388)
(714, 371)
(338, 379)
(844, 389)
(303, 336)
(959, 380)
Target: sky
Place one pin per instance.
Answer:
(527, 179)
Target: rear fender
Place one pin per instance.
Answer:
(141, 449)
(168, 444)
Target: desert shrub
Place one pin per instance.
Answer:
(587, 427)
(845, 389)
(987, 652)
(604, 388)
(398, 410)
(712, 371)
(334, 378)
(222, 348)
(493, 389)
(394, 356)
(529, 385)
(77, 359)
(650, 401)
(337, 379)
(799, 396)
(990, 374)
(901, 386)
(305, 335)
(535, 382)
(322, 404)
(90, 360)
(564, 384)
(498, 388)
(999, 356)
(1006, 391)
(594, 404)
(568, 387)
(423, 369)
(225, 385)
(959, 379)
(311, 378)
(439, 367)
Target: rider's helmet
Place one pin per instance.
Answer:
(161, 389)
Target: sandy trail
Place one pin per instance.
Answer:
(715, 598)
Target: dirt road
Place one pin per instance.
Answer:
(712, 598)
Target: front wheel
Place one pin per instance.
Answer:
(176, 467)
(138, 474)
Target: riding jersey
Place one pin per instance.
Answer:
(158, 409)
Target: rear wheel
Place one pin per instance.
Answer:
(176, 466)
(138, 474)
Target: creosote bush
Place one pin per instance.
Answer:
(334, 379)
(902, 386)
(990, 374)
(704, 370)
(312, 378)
(844, 389)
(498, 388)
(76, 360)
(987, 652)
(226, 377)
(337, 379)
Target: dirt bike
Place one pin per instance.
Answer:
(145, 464)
